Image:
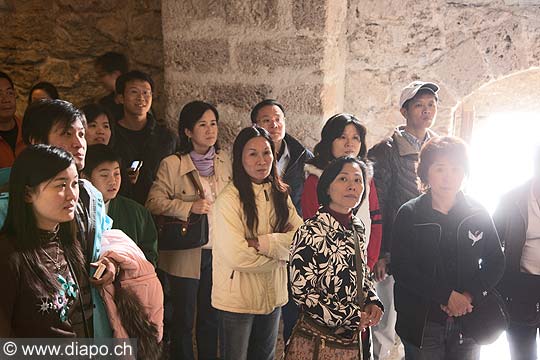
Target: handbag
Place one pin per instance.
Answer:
(487, 321)
(176, 234)
(310, 340)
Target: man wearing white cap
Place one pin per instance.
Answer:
(395, 160)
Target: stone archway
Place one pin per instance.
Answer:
(517, 92)
(501, 121)
(461, 45)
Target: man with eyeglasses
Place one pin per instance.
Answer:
(11, 143)
(139, 141)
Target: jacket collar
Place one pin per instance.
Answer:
(187, 165)
(520, 197)
(461, 205)
(404, 146)
(312, 170)
(329, 222)
(296, 151)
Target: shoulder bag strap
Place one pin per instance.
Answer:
(359, 271)
(359, 284)
(199, 188)
(191, 177)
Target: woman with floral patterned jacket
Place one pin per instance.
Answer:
(323, 263)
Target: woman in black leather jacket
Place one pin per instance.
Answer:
(446, 257)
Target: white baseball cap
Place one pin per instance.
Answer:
(410, 90)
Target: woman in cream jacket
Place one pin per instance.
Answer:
(257, 220)
(187, 274)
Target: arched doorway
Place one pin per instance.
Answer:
(501, 121)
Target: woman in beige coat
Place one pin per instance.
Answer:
(187, 274)
(257, 220)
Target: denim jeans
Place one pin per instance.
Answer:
(248, 336)
(289, 313)
(187, 298)
(522, 341)
(443, 342)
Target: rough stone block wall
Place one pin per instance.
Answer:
(58, 41)
(315, 56)
(462, 45)
(236, 53)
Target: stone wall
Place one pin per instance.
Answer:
(462, 45)
(319, 57)
(315, 56)
(236, 53)
(57, 41)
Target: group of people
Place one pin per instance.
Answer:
(345, 245)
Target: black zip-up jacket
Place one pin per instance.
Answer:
(294, 173)
(512, 219)
(416, 254)
(159, 143)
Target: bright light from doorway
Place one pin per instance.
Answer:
(502, 151)
(502, 155)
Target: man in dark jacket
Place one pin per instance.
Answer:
(138, 138)
(517, 219)
(109, 67)
(394, 164)
(291, 157)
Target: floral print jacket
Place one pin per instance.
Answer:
(323, 273)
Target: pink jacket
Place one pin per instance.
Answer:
(137, 274)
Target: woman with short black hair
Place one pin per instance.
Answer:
(446, 257)
(328, 266)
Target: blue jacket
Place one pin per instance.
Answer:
(294, 173)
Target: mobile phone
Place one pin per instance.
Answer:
(99, 270)
(136, 165)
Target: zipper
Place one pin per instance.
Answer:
(266, 195)
(434, 273)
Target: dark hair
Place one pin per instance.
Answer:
(3, 75)
(332, 171)
(49, 88)
(243, 184)
(92, 111)
(450, 147)
(130, 76)
(190, 114)
(259, 106)
(98, 154)
(333, 129)
(112, 61)
(40, 117)
(36, 164)
(420, 92)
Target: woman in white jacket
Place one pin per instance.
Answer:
(256, 221)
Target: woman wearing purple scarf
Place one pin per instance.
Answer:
(187, 274)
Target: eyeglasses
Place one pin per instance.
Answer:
(134, 93)
(10, 93)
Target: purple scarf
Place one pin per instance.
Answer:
(204, 163)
